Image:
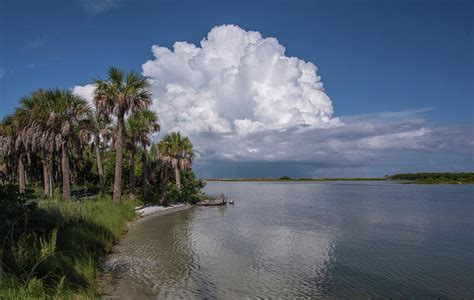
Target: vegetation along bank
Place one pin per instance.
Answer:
(71, 175)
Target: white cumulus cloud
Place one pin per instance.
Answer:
(235, 81)
(248, 107)
(85, 91)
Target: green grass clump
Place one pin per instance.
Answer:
(56, 249)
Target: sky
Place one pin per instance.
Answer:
(269, 88)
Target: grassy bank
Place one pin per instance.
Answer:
(55, 250)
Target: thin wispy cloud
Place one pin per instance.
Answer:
(36, 42)
(35, 65)
(94, 7)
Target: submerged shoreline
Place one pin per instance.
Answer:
(107, 281)
(282, 241)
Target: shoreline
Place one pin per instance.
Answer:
(106, 281)
(147, 212)
(292, 179)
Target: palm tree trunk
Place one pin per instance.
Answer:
(28, 159)
(100, 169)
(144, 175)
(165, 188)
(65, 170)
(45, 176)
(131, 164)
(51, 179)
(118, 161)
(21, 173)
(177, 177)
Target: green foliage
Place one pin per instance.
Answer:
(190, 189)
(58, 248)
(287, 178)
(52, 248)
(14, 208)
(435, 178)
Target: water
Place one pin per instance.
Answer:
(306, 240)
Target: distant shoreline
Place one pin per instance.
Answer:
(294, 179)
(408, 178)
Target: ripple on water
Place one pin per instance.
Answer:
(305, 241)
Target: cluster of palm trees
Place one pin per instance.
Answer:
(52, 128)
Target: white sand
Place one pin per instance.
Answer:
(148, 210)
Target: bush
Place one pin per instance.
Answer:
(190, 189)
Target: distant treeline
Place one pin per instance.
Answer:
(422, 178)
(434, 178)
(287, 178)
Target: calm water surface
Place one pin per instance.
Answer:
(306, 240)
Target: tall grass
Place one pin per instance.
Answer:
(58, 250)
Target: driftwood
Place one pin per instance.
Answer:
(220, 200)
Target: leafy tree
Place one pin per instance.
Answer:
(190, 190)
(175, 154)
(101, 128)
(70, 116)
(119, 95)
(139, 128)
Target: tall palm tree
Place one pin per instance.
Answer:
(139, 128)
(70, 116)
(119, 95)
(176, 153)
(15, 144)
(101, 128)
(7, 145)
(132, 128)
(38, 137)
(20, 124)
(165, 165)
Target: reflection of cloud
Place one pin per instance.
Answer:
(258, 251)
(99, 6)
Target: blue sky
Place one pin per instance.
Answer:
(374, 57)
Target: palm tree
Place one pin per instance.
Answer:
(38, 136)
(139, 128)
(101, 128)
(131, 133)
(70, 116)
(176, 153)
(20, 124)
(7, 145)
(119, 95)
(165, 164)
(15, 140)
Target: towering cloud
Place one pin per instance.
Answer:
(236, 81)
(250, 110)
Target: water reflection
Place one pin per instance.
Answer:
(305, 241)
(156, 255)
